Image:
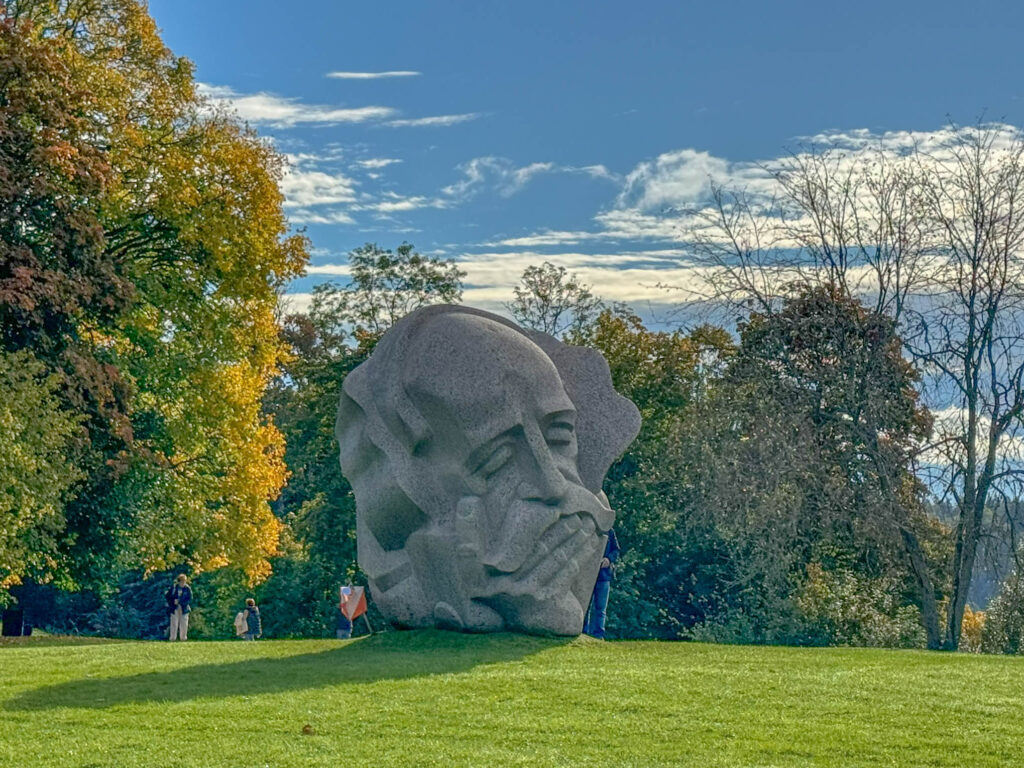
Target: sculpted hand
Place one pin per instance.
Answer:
(605, 562)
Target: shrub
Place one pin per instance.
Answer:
(852, 609)
(1003, 630)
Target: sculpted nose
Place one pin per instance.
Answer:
(545, 482)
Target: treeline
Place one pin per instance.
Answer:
(158, 415)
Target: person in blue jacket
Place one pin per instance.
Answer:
(179, 599)
(593, 624)
(253, 623)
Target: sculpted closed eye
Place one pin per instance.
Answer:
(560, 433)
(498, 459)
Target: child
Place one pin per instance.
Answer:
(253, 624)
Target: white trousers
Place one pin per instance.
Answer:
(179, 625)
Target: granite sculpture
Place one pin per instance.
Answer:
(476, 450)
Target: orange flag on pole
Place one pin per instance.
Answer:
(353, 601)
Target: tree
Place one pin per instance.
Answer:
(325, 344)
(835, 371)
(35, 473)
(148, 278)
(384, 286)
(551, 300)
(669, 569)
(933, 237)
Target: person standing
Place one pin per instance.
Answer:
(593, 623)
(253, 623)
(179, 599)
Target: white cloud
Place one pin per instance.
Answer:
(435, 121)
(663, 198)
(296, 303)
(501, 174)
(683, 178)
(547, 237)
(372, 75)
(336, 270)
(616, 224)
(305, 188)
(280, 112)
(306, 216)
(636, 278)
(377, 162)
(397, 204)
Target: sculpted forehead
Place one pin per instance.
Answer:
(482, 373)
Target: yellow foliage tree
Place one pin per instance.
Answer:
(192, 216)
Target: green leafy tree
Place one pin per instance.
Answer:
(551, 300)
(35, 473)
(806, 451)
(668, 574)
(384, 286)
(933, 235)
(326, 343)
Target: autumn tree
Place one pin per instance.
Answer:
(35, 471)
(669, 570)
(154, 237)
(818, 421)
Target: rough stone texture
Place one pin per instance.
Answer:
(476, 450)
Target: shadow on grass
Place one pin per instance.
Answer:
(389, 656)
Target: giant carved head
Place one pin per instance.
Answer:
(476, 451)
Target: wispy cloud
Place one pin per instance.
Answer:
(433, 122)
(280, 112)
(503, 175)
(394, 203)
(633, 277)
(334, 270)
(372, 75)
(307, 216)
(377, 162)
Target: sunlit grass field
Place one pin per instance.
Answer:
(434, 698)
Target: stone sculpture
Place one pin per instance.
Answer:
(476, 450)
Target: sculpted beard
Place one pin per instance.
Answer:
(531, 544)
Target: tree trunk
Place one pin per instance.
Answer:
(968, 536)
(925, 588)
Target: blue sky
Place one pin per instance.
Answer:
(504, 134)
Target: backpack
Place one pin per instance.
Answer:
(241, 625)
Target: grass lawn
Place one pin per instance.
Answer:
(433, 698)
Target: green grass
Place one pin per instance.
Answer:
(433, 698)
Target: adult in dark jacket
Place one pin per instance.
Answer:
(253, 624)
(179, 599)
(593, 624)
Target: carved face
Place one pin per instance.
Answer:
(460, 441)
(503, 456)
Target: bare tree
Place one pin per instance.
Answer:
(968, 330)
(934, 237)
